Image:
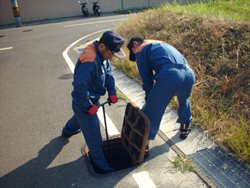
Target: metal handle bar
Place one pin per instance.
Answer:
(107, 102)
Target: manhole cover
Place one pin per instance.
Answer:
(27, 30)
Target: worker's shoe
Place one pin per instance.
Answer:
(106, 168)
(66, 135)
(184, 131)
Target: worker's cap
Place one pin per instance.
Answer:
(113, 42)
(132, 56)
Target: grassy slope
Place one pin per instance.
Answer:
(238, 10)
(219, 52)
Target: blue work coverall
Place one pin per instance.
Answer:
(165, 73)
(92, 77)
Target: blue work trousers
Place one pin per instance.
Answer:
(170, 82)
(90, 128)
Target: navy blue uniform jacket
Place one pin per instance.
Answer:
(92, 77)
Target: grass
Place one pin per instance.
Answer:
(218, 50)
(238, 10)
(184, 164)
(121, 96)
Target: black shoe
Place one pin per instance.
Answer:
(146, 155)
(65, 135)
(98, 170)
(184, 130)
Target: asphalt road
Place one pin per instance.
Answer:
(35, 103)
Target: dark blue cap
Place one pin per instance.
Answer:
(132, 56)
(112, 40)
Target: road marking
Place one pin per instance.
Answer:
(143, 180)
(90, 23)
(7, 48)
(112, 130)
(65, 52)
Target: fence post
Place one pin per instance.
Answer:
(16, 13)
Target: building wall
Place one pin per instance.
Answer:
(6, 15)
(34, 10)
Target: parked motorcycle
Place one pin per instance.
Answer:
(96, 9)
(84, 8)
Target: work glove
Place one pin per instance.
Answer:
(93, 110)
(113, 99)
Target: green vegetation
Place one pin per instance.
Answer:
(224, 9)
(121, 96)
(184, 164)
(218, 50)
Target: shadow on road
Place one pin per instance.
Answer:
(35, 173)
(158, 150)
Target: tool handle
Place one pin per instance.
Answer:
(106, 102)
(104, 117)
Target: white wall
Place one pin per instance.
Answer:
(33, 10)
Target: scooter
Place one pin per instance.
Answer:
(84, 8)
(96, 9)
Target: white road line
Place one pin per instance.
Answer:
(65, 52)
(112, 130)
(7, 48)
(143, 180)
(89, 23)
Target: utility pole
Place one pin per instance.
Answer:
(148, 3)
(16, 13)
(122, 5)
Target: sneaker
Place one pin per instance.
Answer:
(184, 130)
(66, 135)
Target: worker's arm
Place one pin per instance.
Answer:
(145, 72)
(82, 77)
(110, 81)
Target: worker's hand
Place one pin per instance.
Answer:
(93, 110)
(113, 99)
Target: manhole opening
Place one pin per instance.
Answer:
(129, 149)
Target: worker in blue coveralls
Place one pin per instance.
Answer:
(165, 73)
(92, 78)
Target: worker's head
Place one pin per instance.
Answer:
(110, 45)
(133, 44)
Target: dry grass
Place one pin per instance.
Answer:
(219, 53)
(184, 164)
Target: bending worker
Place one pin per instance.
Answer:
(92, 77)
(165, 73)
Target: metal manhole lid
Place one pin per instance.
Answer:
(135, 132)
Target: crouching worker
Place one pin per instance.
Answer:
(92, 78)
(165, 73)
